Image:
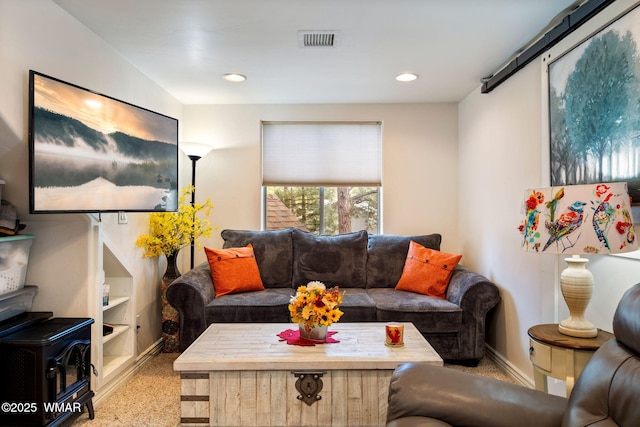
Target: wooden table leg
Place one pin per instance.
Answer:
(571, 372)
(540, 380)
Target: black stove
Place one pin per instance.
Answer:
(46, 365)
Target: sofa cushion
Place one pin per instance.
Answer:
(427, 271)
(273, 250)
(427, 313)
(270, 305)
(338, 260)
(357, 306)
(234, 270)
(387, 255)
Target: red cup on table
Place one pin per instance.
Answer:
(394, 334)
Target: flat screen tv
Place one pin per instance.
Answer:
(93, 153)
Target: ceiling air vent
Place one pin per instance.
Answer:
(318, 38)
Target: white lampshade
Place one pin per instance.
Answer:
(579, 219)
(575, 220)
(195, 148)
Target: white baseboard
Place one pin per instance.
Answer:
(153, 350)
(516, 374)
(112, 386)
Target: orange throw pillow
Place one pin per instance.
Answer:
(234, 270)
(427, 271)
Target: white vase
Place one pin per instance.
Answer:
(314, 333)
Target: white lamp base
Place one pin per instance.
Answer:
(576, 284)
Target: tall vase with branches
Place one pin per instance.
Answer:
(168, 233)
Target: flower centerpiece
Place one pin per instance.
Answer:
(314, 308)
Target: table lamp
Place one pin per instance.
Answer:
(575, 220)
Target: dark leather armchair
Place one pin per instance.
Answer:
(607, 393)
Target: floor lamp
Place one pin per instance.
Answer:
(576, 220)
(195, 151)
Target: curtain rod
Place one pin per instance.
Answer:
(567, 25)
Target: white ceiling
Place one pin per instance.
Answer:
(187, 45)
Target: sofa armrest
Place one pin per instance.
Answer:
(417, 422)
(461, 398)
(189, 294)
(471, 290)
(475, 295)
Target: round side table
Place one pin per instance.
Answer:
(560, 356)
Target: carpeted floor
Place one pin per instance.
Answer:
(151, 398)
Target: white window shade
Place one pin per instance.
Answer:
(321, 154)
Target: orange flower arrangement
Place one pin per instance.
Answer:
(314, 304)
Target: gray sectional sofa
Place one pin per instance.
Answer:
(366, 266)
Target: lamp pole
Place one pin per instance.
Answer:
(195, 151)
(194, 159)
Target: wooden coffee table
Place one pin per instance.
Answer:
(241, 374)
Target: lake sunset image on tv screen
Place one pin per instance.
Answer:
(94, 153)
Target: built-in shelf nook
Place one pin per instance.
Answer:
(115, 324)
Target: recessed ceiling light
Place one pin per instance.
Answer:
(406, 77)
(233, 77)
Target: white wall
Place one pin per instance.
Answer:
(503, 145)
(420, 181)
(38, 35)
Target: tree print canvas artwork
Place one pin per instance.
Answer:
(594, 109)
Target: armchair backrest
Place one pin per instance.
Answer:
(607, 393)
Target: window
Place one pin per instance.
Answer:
(322, 177)
(323, 210)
